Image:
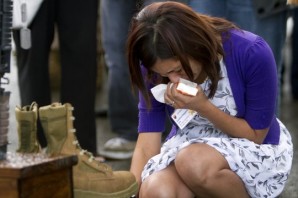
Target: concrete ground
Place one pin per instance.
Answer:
(288, 115)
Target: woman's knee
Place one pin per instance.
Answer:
(193, 166)
(154, 187)
(165, 183)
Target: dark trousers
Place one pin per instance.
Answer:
(76, 22)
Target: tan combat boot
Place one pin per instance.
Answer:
(27, 119)
(91, 178)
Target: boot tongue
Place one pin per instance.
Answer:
(31, 107)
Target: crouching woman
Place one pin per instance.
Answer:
(234, 146)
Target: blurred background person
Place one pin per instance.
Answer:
(122, 104)
(76, 23)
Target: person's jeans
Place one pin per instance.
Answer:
(272, 28)
(147, 2)
(123, 112)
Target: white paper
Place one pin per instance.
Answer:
(183, 116)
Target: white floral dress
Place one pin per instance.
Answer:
(264, 169)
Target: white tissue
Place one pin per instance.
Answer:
(159, 92)
(184, 86)
(180, 116)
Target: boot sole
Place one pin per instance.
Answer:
(127, 193)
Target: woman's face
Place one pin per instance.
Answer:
(172, 69)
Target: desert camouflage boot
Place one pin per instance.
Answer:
(91, 178)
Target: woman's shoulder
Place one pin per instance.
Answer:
(243, 40)
(243, 35)
(244, 44)
(247, 54)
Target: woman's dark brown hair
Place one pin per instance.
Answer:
(173, 30)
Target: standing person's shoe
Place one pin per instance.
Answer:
(118, 148)
(91, 178)
(27, 129)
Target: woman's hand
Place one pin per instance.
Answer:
(233, 126)
(180, 100)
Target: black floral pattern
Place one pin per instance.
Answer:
(264, 168)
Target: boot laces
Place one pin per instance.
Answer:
(78, 146)
(82, 151)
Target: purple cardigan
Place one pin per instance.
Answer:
(253, 77)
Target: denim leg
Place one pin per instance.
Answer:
(123, 112)
(209, 7)
(147, 2)
(294, 66)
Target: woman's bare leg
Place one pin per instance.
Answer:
(206, 172)
(163, 184)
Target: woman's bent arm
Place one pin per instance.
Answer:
(148, 145)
